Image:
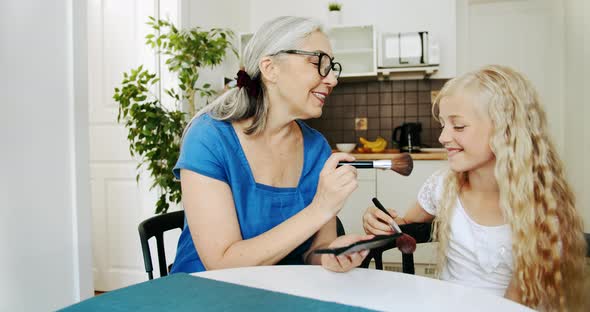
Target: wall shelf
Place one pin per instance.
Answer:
(410, 72)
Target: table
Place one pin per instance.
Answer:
(372, 289)
(295, 288)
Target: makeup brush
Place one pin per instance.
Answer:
(400, 163)
(379, 206)
(405, 243)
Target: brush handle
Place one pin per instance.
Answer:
(380, 206)
(394, 225)
(377, 164)
(363, 164)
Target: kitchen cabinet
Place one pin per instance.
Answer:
(352, 212)
(394, 191)
(355, 47)
(438, 17)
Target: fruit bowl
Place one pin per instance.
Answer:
(345, 147)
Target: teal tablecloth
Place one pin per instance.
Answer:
(184, 292)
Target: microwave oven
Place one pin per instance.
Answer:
(406, 49)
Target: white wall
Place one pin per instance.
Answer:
(577, 99)
(436, 16)
(232, 14)
(44, 212)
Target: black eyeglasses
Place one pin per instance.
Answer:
(325, 62)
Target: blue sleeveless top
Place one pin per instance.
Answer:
(211, 148)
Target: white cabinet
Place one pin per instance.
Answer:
(352, 212)
(355, 48)
(394, 191)
(399, 192)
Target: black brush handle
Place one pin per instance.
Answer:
(394, 226)
(362, 164)
(378, 205)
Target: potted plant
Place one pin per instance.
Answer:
(334, 13)
(154, 127)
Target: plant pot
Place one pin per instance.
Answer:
(334, 17)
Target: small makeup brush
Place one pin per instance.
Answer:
(400, 163)
(405, 243)
(379, 206)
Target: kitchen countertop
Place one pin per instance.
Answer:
(388, 154)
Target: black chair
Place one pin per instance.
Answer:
(419, 231)
(339, 227)
(587, 236)
(155, 227)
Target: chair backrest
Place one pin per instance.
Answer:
(155, 227)
(339, 227)
(419, 231)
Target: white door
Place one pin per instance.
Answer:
(116, 34)
(524, 34)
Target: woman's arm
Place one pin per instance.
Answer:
(377, 222)
(215, 230)
(322, 239)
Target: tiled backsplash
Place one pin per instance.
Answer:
(385, 104)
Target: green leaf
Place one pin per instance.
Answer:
(154, 132)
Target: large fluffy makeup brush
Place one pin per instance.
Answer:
(400, 163)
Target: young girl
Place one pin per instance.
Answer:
(504, 215)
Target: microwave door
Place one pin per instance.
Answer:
(410, 48)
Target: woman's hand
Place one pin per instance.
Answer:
(345, 263)
(377, 222)
(335, 184)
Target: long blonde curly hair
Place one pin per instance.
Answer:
(547, 235)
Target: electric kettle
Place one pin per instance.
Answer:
(407, 137)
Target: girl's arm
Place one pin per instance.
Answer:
(377, 222)
(416, 214)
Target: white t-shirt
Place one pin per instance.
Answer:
(478, 256)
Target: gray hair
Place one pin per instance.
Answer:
(282, 33)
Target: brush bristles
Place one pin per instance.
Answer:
(402, 164)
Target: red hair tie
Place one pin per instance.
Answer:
(251, 86)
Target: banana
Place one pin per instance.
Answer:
(379, 147)
(374, 146)
(369, 144)
(364, 141)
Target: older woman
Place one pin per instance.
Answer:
(259, 186)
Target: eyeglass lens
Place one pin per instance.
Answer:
(326, 65)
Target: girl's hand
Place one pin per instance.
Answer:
(348, 262)
(335, 184)
(377, 222)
